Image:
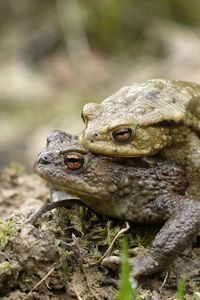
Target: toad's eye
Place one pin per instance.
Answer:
(122, 135)
(74, 161)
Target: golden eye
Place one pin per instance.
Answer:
(74, 161)
(122, 135)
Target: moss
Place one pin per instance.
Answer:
(66, 268)
(5, 266)
(25, 280)
(17, 168)
(143, 235)
(6, 231)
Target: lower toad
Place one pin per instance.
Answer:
(141, 191)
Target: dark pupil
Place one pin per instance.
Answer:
(122, 134)
(74, 162)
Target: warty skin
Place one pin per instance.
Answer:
(139, 192)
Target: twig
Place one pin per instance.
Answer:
(74, 288)
(123, 230)
(43, 279)
(88, 284)
(104, 255)
(76, 294)
(164, 281)
(49, 206)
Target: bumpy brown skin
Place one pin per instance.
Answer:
(140, 193)
(164, 116)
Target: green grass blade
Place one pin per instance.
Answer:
(181, 289)
(126, 291)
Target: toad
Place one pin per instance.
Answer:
(141, 192)
(143, 119)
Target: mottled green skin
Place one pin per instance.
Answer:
(164, 116)
(139, 191)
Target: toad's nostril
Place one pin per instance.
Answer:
(44, 159)
(93, 137)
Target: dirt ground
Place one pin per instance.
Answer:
(58, 257)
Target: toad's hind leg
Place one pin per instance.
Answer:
(175, 236)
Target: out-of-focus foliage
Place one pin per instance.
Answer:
(57, 55)
(112, 27)
(129, 23)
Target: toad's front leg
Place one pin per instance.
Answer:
(182, 226)
(188, 155)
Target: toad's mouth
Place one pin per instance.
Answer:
(66, 182)
(89, 195)
(74, 191)
(109, 148)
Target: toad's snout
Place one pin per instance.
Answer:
(43, 159)
(92, 137)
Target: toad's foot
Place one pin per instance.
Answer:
(178, 233)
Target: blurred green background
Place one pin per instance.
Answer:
(57, 55)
